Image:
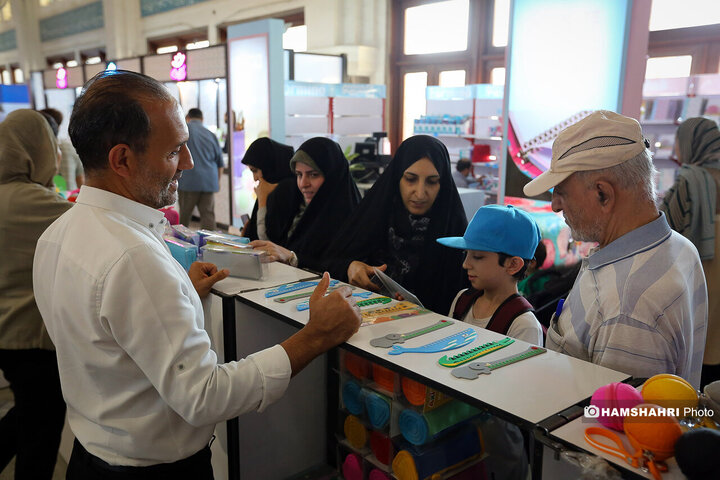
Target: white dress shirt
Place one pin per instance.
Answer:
(141, 383)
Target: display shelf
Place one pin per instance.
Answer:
(345, 113)
(667, 102)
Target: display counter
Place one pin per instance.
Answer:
(543, 395)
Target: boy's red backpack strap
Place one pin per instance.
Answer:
(465, 302)
(514, 306)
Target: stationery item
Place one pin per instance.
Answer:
(558, 309)
(219, 237)
(383, 377)
(473, 370)
(670, 391)
(448, 343)
(382, 447)
(458, 448)
(390, 339)
(378, 408)
(373, 301)
(184, 252)
(423, 396)
(293, 287)
(419, 428)
(395, 288)
(244, 263)
(615, 396)
(352, 467)
(377, 474)
(473, 353)
(352, 397)
(653, 436)
(393, 312)
(334, 284)
(356, 365)
(302, 306)
(355, 432)
(186, 234)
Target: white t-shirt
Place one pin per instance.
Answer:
(525, 327)
(142, 385)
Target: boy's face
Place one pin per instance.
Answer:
(484, 270)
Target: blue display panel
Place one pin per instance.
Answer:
(565, 59)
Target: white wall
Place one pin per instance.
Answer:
(357, 28)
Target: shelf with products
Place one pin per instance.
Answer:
(667, 102)
(347, 113)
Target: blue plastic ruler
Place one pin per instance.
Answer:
(473, 370)
(293, 287)
(448, 343)
(302, 306)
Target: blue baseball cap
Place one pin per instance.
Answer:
(501, 229)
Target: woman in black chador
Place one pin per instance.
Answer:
(302, 217)
(413, 203)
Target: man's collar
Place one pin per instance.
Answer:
(635, 241)
(144, 215)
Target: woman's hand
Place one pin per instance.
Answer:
(359, 274)
(262, 190)
(276, 253)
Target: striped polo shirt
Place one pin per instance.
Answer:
(638, 305)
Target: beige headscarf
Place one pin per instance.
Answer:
(28, 149)
(28, 205)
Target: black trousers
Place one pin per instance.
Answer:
(31, 430)
(86, 466)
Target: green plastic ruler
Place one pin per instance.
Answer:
(374, 301)
(392, 338)
(473, 370)
(473, 353)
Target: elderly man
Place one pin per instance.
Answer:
(639, 303)
(143, 388)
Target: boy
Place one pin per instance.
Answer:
(500, 242)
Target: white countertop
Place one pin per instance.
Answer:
(278, 274)
(574, 433)
(532, 390)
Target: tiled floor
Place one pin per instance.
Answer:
(6, 402)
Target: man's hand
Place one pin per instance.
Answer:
(359, 274)
(333, 319)
(275, 252)
(204, 275)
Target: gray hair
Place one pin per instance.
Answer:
(637, 174)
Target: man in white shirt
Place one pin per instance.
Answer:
(639, 303)
(144, 390)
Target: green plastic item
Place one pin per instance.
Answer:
(473, 353)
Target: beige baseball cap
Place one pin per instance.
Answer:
(602, 139)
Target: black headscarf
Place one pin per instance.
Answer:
(334, 201)
(383, 231)
(273, 159)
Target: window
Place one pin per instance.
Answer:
(497, 76)
(668, 67)
(6, 77)
(6, 12)
(441, 42)
(414, 85)
(18, 75)
(437, 27)
(501, 23)
(295, 38)
(168, 49)
(669, 14)
(196, 45)
(452, 78)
